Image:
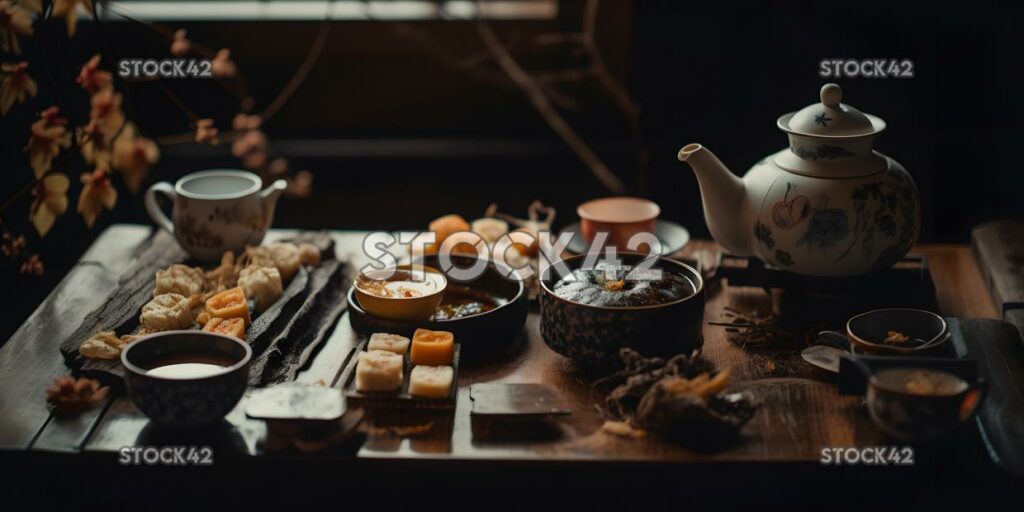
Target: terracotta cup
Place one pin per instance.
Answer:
(620, 217)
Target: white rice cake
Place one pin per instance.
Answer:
(389, 342)
(379, 370)
(431, 381)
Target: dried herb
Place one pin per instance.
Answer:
(752, 329)
(682, 400)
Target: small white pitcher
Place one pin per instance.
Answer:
(216, 211)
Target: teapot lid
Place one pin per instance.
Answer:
(831, 118)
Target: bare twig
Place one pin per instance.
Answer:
(545, 108)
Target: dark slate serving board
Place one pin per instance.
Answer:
(282, 338)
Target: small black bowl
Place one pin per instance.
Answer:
(186, 402)
(592, 336)
(483, 336)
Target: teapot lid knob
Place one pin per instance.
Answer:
(831, 95)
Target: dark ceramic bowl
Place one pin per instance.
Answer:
(186, 402)
(481, 336)
(592, 336)
(867, 331)
(921, 417)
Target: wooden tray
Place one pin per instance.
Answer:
(282, 338)
(400, 399)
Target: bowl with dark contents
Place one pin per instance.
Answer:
(655, 307)
(486, 313)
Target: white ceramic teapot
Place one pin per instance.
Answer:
(828, 205)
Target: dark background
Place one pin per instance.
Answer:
(397, 130)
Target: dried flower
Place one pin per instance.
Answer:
(12, 245)
(33, 266)
(301, 185)
(94, 146)
(51, 201)
(16, 85)
(68, 9)
(133, 155)
(35, 6)
(246, 122)
(222, 66)
(14, 20)
(206, 132)
(68, 395)
(97, 194)
(278, 166)
(180, 46)
(92, 78)
(106, 118)
(49, 134)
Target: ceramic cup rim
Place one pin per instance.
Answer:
(877, 382)
(857, 340)
(141, 372)
(411, 267)
(653, 210)
(256, 183)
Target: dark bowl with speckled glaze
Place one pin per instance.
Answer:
(186, 402)
(591, 336)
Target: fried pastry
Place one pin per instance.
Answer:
(166, 312)
(103, 345)
(309, 255)
(227, 326)
(229, 304)
(179, 279)
(262, 284)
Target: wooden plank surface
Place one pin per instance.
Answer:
(29, 360)
(801, 411)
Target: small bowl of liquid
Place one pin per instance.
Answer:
(186, 378)
(405, 292)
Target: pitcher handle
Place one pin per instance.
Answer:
(153, 208)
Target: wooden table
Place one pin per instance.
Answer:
(801, 413)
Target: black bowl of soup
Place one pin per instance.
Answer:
(186, 378)
(592, 313)
(486, 314)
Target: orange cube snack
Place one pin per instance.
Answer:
(227, 326)
(443, 227)
(229, 304)
(432, 348)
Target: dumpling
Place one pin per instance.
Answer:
(282, 255)
(262, 284)
(103, 345)
(286, 259)
(179, 279)
(309, 255)
(166, 312)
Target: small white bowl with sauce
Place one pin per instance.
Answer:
(186, 378)
(405, 292)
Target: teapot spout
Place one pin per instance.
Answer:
(270, 195)
(724, 197)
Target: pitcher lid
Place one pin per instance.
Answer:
(831, 118)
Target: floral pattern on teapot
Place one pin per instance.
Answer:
(875, 219)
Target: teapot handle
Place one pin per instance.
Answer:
(153, 208)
